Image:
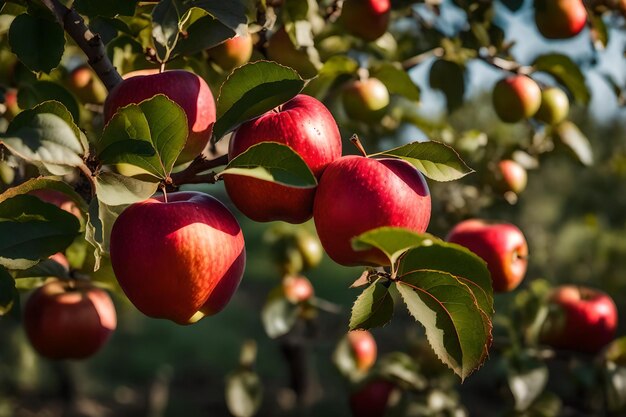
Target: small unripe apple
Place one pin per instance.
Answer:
(367, 19)
(304, 124)
(357, 194)
(232, 53)
(69, 320)
(513, 176)
(560, 19)
(297, 288)
(84, 82)
(363, 348)
(180, 259)
(516, 98)
(310, 248)
(581, 319)
(185, 88)
(501, 245)
(365, 100)
(372, 399)
(282, 50)
(554, 106)
(10, 103)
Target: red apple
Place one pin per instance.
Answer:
(554, 106)
(372, 399)
(297, 288)
(83, 82)
(515, 98)
(59, 199)
(560, 19)
(232, 53)
(514, 176)
(309, 129)
(10, 103)
(365, 100)
(66, 320)
(185, 88)
(582, 319)
(357, 194)
(367, 19)
(363, 347)
(182, 259)
(282, 50)
(501, 245)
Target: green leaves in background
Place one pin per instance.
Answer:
(244, 393)
(275, 162)
(449, 78)
(373, 308)
(32, 94)
(8, 293)
(568, 134)
(279, 315)
(397, 80)
(250, 91)
(566, 72)
(37, 42)
(435, 160)
(335, 70)
(109, 8)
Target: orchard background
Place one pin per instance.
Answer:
(275, 353)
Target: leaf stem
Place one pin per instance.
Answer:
(191, 174)
(89, 175)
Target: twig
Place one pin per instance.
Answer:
(418, 59)
(505, 64)
(190, 175)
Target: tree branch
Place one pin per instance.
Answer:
(418, 59)
(190, 174)
(89, 42)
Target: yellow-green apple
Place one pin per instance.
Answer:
(180, 259)
(232, 53)
(367, 19)
(365, 100)
(501, 245)
(515, 98)
(554, 106)
(297, 288)
(372, 399)
(282, 50)
(59, 199)
(357, 194)
(83, 82)
(185, 88)
(69, 320)
(310, 249)
(560, 19)
(304, 124)
(513, 176)
(581, 319)
(363, 348)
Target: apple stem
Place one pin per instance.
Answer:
(357, 142)
(162, 67)
(164, 189)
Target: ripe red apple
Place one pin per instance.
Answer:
(363, 348)
(501, 245)
(582, 319)
(297, 288)
(182, 259)
(83, 82)
(515, 98)
(309, 129)
(560, 19)
(372, 399)
(282, 50)
(367, 19)
(554, 106)
(357, 194)
(185, 88)
(513, 175)
(66, 320)
(232, 53)
(59, 199)
(365, 100)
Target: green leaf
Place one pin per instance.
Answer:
(400, 367)
(159, 123)
(45, 183)
(275, 162)
(31, 230)
(373, 308)
(37, 42)
(8, 293)
(449, 78)
(109, 8)
(166, 17)
(566, 72)
(392, 241)
(30, 95)
(205, 33)
(279, 315)
(396, 80)
(45, 268)
(252, 90)
(436, 160)
(244, 393)
(333, 71)
(570, 135)
(115, 189)
(231, 13)
(100, 219)
(527, 378)
(455, 325)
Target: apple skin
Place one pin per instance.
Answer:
(304, 124)
(232, 53)
(357, 194)
(185, 88)
(282, 50)
(560, 19)
(515, 98)
(583, 319)
(365, 100)
(83, 82)
(554, 106)
(501, 245)
(372, 399)
(364, 349)
(10, 101)
(297, 288)
(65, 322)
(514, 176)
(181, 260)
(367, 19)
